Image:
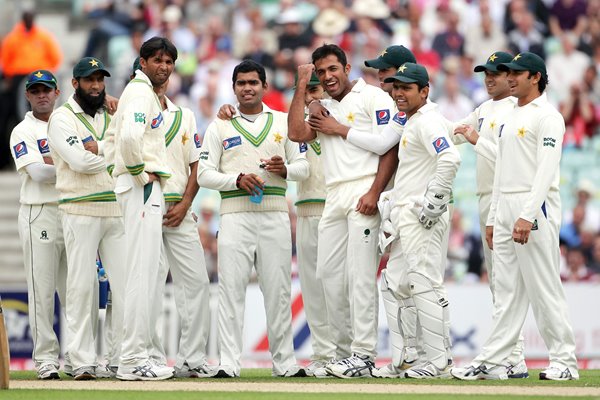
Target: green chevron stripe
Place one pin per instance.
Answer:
(267, 191)
(256, 141)
(89, 126)
(135, 169)
(172, 132)
(94, 197)
(316, 146)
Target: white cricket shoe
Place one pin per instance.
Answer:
(105, 371)
(313, 366)
(225, 371)
(391, 371)
(295, 371)
(429, 371)
(355, 366)
(47, 372)
(554, 373)
(201, 371)
(517, 371)
(145, 372)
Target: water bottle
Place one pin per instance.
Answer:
(102, 285)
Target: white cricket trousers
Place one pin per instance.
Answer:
(313, 291)
(45, 260)
(143, 238)
(85, 237)
(261, 240)
(184, 256)
(347, 263)
(528, 274)
(485, 201)
(421, 253)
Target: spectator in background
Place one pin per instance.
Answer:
(330, 26)
(537, 9)
(570, 233)
(27, 47)
(594, 263)
(567, 16)
(293, 34)
(526, 36)
(579, 114)
(108, 21)
(450, 41)
(425, 56)
(483, 37)
(566, 67)
(591, 86)
(584, 194)
(452, 103)
(577, 270)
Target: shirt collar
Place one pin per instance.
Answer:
(171, 107)
(74, 104)
(265, 109)
(429, 106)
(541, 100)
(139, 74)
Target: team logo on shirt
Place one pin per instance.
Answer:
(156, 121)
(197, 140)
(231, 142)
(303, 147)
(20, 149)
(440, 144)
(400, 118)
(72, 140)
(43, 146)
(139, 117)
(383, 116)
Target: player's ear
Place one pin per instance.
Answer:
(75, 83)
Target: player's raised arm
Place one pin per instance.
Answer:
(298, 128)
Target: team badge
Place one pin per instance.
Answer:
(156, 121)
(535, 226)
(303, 147)
(197, 140)
(43, 146)
(383, 116)
(20, 149)
(231, 142)
(440, 144)
(72, 140)
(400, 118)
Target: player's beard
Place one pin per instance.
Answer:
(90, 104)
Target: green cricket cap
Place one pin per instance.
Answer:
(525, 62)
(493, 61)
(393, 56)
(410, 73)
(42, 77)
(87, 66)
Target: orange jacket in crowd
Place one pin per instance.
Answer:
(22, 52)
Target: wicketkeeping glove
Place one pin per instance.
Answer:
(435, 203)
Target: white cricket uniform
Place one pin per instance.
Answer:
(182, 250)
(252, 234)
(488, 120)
(347, 256)
(426, 154)
(310, 204)
(139, 149)
(41, 234)
(526, 185)
(91, 222)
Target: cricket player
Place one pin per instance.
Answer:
(522, 230)
(348, 233)
(402, 328)
(40, 227)
(91, 218)
(481, 128)
(141, 171)
(248, 159)
(182, 251)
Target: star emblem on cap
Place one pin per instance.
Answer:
(93, 63)
(493, 58)
(402, 68)
(277, 137)
(517, 57)
(383, 53)
(521, 132)
(38, 74)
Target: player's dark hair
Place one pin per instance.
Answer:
(328, 49)
(157, 45)
(542, 83)
(250, 66)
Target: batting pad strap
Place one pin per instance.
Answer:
(448, 342)
(406, 302)
(410, 341)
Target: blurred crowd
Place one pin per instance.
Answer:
(449, 37)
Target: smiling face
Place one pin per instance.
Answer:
(314, 92)
(523, 86)
(333, 76)
(249, 91)
(408, 97)
(496, 84)
(158, 67)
